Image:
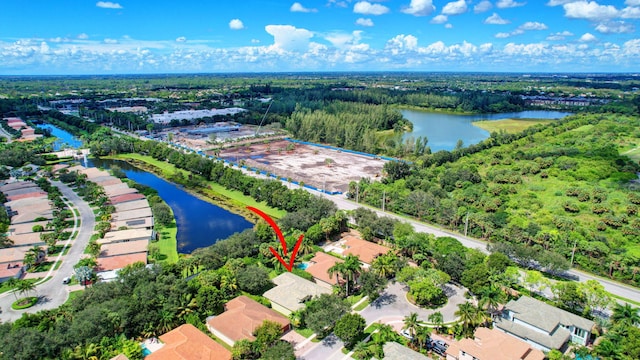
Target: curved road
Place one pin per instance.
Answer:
(343, 203)
(52, 292)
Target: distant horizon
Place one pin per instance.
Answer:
(346, 72)
(68, 37)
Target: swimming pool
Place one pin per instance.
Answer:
(303, 266)
(145, 351)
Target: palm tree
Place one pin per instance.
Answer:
(411, 323)
(12, 283)
(422, 336)
(5, 241)
(306, 247)
(166, 322)
(469, 315)
(25, 286)
(625, 313)
(352, 268)
(385, 265)
(491, 297)
(337, 269)
(436, 319)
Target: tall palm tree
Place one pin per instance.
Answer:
(423, 334)
(352, 269)
(469, 315)
(436, 319)
(337, 269)
(385, 265)
(13, 283)
(412, 323)
(25, 286)
(306, 247)
(491, 297)
(626, 313)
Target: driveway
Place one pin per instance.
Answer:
(392, 306)
(53, 293)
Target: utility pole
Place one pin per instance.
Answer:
(573, 252)
(466, 224)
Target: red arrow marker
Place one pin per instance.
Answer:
(283, 242)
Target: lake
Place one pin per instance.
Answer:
(200, 223)
(444, 130)
(65, 139)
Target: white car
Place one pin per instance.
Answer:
(406, 333)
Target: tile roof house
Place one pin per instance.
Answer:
(292, 291)
(543, 326)
(394, 351)
(491, 344)
(120, 261)
(241, 318)
(186, 342)
(319, 266)
(365, 250)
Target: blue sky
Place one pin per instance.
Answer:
(134, 36)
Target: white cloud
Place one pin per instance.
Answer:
(587, 38)
(255, 41)
(615, 27)
(402, 43)
(289, 38)
(630, 13)
(297, 7)
(495, 19)
(482, 6)
(448, 26)
(559, 35)
(82, 36)
(632, 2)
(108, 5)
(455, 8)
(419, 8)
(559, 2)
(502, 35)
(589, 10)
(503, 4)
(110, 41)
(533, 25)
(364, 22)
(346, 41)
(236, 24)
(439, 19)
(181, 39)
(367, 8)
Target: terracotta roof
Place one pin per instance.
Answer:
(120, 261)
(126, 235)
(365, 250)
(124, 198)
(13, 254)
(18, 185)
(494, 345)
(10, 270)
(132, 205)
(242, 317)
(319, 266)
(188, 343)
(123, 248)
(32, 194)
(131, 214)
(292, 291)
(29, 239)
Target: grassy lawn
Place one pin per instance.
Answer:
(5, 287)
(511, 126)
(304, 332)
(633, 154)
(634, 302)
(354, 299)
(168, 243)
(44, 266)
(234, 198)
(73, 295)
(363, 305)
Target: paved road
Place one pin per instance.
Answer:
(343, 203)
(53, 293)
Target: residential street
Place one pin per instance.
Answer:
(53, 293)
(391, 308)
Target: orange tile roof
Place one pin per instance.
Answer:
(188, 343)
(120, 261)
(242, 317)
(319, 266)
(365, 250)
(124, 198)
(492, 344)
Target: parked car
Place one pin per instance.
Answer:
(437, 346)
(406, 333)
(66, 280)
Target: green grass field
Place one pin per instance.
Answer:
(168, 243)
(633, 154)
(233, 198)
(511, 126)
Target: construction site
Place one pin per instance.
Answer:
(323, 167)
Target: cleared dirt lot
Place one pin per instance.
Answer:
(313, 165)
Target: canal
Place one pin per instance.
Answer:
(199, 222)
